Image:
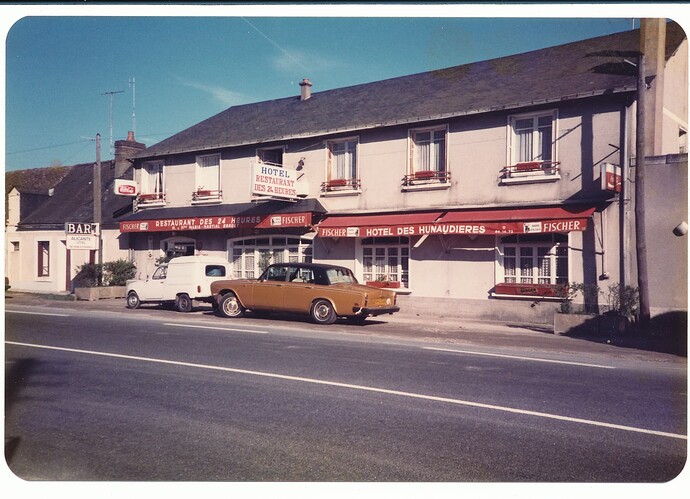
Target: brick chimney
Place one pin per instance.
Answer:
(306, 89)
(124, 150)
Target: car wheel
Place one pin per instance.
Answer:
(322, 312)
(133, 300)
(230, 306)
(183, 303)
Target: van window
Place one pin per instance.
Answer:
(215, 271)
(161, 272)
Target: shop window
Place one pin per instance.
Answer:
(535, 263)
(152, 186)
(251, 256)
(178, 247)
(207, 179)
(532, 149)
(43, 259)
(342, 166)
(386, 261)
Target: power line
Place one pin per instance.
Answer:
(45, 147)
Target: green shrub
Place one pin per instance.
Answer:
(113, 273)
(116, 273)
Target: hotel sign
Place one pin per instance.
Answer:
(274, 181)
(220, 222)
(472, 228)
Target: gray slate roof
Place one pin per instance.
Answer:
(575, 70)
(72, 200)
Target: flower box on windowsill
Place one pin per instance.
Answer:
(531, 290)
(424, 175)
(206, 195)
(383, 284)
(150, 197)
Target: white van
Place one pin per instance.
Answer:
(178, 282)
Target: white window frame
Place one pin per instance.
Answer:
(205, 174)
(413, 162)
(338, 181)
(247, 253)
(513, 148)
(553, 248)
(383, 259)
(149, 183)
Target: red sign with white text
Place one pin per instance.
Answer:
(219, 222)
(467, 228)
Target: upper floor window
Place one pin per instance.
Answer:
(342, 165)
(152, 178)
(152, 185)
(532, 149)
(272, 156)
(428, 157)
(207, 178)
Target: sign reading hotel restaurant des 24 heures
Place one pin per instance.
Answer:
(274, 181)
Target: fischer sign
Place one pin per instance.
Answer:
(125, 187)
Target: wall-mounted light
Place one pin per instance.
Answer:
(300, 164)
(681, 229)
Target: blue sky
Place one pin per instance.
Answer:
(60, 68)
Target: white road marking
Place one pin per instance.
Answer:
(366, 389)
(177, 324)
(36, 313)
(535, 359)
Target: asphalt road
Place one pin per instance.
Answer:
(141, 395)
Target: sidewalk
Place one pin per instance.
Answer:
(423, 319)
(424, 324)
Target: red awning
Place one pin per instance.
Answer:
(468, 222)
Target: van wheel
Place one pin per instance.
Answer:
(133, 300)
(183, 303)
(230, 306)
(322, 312)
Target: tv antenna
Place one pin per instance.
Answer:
(110, 94)
(134, 96)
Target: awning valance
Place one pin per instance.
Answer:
(468, 222)
(269, 215)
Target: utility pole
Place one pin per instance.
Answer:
(640, 228)
(134, 107)
(110, 94)
(97, 204)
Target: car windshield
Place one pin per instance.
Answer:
(339, 276)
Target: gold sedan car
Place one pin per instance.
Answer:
(324, 292)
